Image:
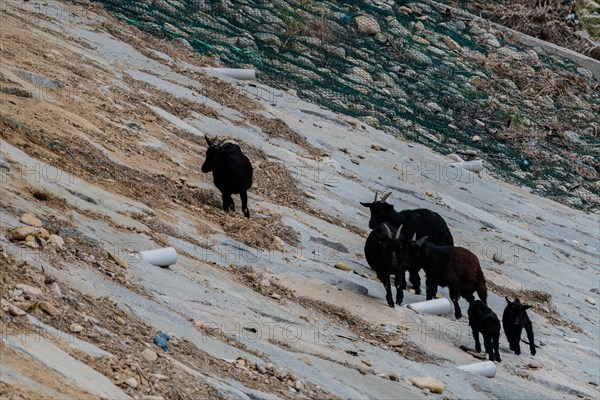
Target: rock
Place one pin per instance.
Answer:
(43, 234)
(22, 232)
(260, 367)
(420, 40)
(49, 56)
(572, 340)
(275, 296)
(310, 195)
(424, 382)
(498, 259)
(455, 157)
(405, 10)
(452, 45)
(149, 355)
(419, 26)
(378, 147)
(131, 382)
(534, 365)
(75, 328)
(15, 311)
(429, 193)
(118, 260)
(240, 362)
(49, 308)
(56, 289)
(367, 25)
(152, 397)
(358, 71)
(30, 290)
(56, 241)
(298, 385)
(31, 220)
(476, 138)
(305, 360)
(475, 354)
(119, 320)
(590, 300)
(343, 267)
(396, 343)
(367, 363)
(292, 377)
(393, 377)
(265, 283)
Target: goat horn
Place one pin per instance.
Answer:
(376, 193)
(384, 198)
(387, 231)
(421, 241)
(414, 237)
(208, 141)
(398, 232)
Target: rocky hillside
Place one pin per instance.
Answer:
(454, 83)
(101, 143)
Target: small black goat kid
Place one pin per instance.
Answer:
(454, 267)
(231, 170)
(381, 254)
(514, 319)
(422, 222)
(483, 320)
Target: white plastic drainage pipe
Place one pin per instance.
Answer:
(160, 257)
(436, 306)
(486, 368)
(235, 73)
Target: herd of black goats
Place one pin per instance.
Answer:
(389, 252)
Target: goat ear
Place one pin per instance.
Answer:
(376, 193)
(384, 198)
(398, 232)
(507, 300)
(208, 141)
(368, 205)
(526, 306)
(421, 241)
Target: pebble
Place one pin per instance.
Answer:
(572, 340)
(75, 328)
(160, 377)
(393, 377)
(15, 311)
(118, 260)
(31, 220)
(43, 234)
(119, 320)
(455, 157)
(378, 147)
(292, 377)
(261, 368)
(498, 259)
(343, 267)
(419, 26)
(298, 385)
(275, 296)
(49, 308)
(149, 355)
(50, 56)
(534, 365)
(367, 363)
(590, 300)
(131, 382)
(429, 193)
(30, 290)
(310, 195)
(265, 283)
(476, 138)
(424, 382)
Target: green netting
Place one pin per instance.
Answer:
(439, 86)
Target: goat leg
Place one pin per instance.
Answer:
(388, 290)
(529, 330)
(398, 283)
(244, 198)
(477, 343)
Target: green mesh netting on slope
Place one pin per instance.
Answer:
(440, 86)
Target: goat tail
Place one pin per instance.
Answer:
(482, 291)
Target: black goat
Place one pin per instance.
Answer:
(454, 267)
(231, 170)
(483, 319)
(514, 319)
(422, 222)
(381, 254)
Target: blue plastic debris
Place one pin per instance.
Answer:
(162, 340)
